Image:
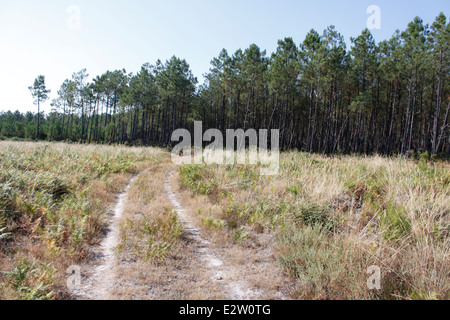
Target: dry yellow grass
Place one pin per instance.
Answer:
(389, 212)
(325, 220)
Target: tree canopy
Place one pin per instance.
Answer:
(390, 97)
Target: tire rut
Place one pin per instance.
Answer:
(221, 272)
(98, 283)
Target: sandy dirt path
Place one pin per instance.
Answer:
(97, 283)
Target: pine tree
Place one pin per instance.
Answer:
(40, 94)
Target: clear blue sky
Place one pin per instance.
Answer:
(35, 37)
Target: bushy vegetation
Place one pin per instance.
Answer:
(194, 179)
(30, 282)
(54, 200)
(157, 236)
(333, 218)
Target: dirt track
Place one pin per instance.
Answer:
(205, 270)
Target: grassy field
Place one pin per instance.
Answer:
(54, 202)
(331, 218)
(335, 218)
